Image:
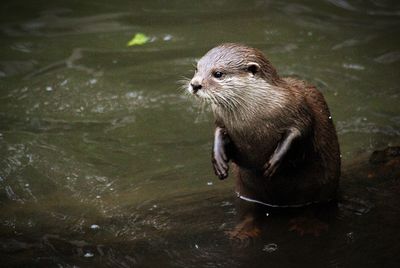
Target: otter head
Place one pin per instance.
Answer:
(228, 73)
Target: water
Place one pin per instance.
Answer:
(95, 133)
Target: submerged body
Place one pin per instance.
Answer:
(278, 132)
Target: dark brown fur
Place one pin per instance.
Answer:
(309, 171)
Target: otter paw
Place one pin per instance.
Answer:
(244, 231)
(305, 225)
(243, 234)
(270, 168)
(220, 166)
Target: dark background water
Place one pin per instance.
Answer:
(105, 162)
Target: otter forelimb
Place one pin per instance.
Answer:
(283, 147)
(220, 157)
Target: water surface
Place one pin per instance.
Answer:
(105, 162)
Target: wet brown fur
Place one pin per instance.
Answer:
(311, 168)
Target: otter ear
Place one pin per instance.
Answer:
(253, 67)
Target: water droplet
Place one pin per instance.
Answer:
(353, 66)
(98, 196)
(350, 237)
(88, 255)
(167, 37)
(131, 94)
(196, 246)
(209, 183)
(330, 117)
(271, 247)
(49, 88)
(226, 203)
(267, 214)
(94, 227)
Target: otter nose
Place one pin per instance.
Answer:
(195, 86)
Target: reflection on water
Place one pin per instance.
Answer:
(104, 162)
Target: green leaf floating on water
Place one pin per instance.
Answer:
(138, 39)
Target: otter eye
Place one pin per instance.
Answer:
(217, 74)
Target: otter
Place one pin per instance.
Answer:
(277, 131)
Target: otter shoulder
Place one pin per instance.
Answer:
(294, 82)
(312, 95)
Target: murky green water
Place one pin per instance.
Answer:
(104, 161)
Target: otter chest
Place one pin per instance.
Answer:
(253, 148)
